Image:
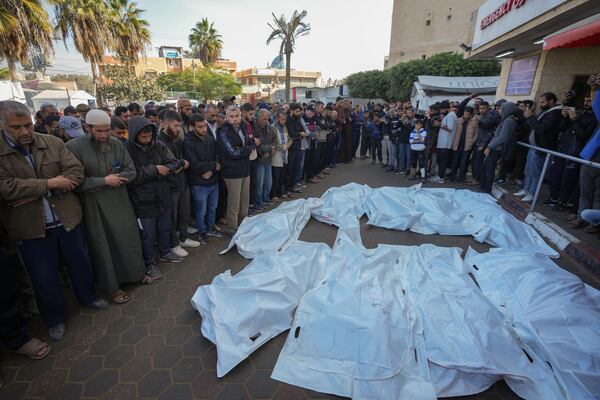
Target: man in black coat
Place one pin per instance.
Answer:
(150, 190)
(235, 147)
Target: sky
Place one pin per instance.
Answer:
(347, 35)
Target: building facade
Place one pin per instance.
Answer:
(427, 27)
(544, 45)
(261, 83)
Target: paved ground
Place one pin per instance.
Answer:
(152, 348)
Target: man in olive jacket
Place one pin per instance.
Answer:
(39, 210)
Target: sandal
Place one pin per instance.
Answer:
(120, 297)
(147, 279)
(35, 349)
(592, 229)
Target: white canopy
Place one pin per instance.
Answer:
(11, 91)
(429, 89)
(62, 98)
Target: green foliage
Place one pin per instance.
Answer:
(122, 86)
(207, 83)
(4, 74)
(84, 82)
(396, 82)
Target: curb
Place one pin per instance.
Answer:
(587, 256)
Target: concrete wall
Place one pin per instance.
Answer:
(556, 71)
(414, 38)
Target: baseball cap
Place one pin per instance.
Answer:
(72, 126)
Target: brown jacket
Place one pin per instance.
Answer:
(22, 188)
(471, 133)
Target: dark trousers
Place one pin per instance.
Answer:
(442, 159)
(563, 176)
(253, 165)
(365, 145)
(335, 147)
(12, 325)
(277, 188)
(180, 216)
(489, 171)
(154, 228)
(418, 158)
(376, 149)
(222, 206)
(518, 171)
(324, 155)
(477, 164)
(313, 160)
(41, 259)
(355, 141)
(294, 165)
(460, 162)
(589, 182)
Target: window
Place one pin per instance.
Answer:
(423, 57)
(428, 22)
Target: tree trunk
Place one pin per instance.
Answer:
(95, 83)
(12, 69)
(288, 57)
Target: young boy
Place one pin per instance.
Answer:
(417, 150)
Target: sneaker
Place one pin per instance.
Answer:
(202, 238)
(179, 251)
(98, 304)
(521, 193)
(528, 198)
(191, 230)
(551, 202)
(214, 233)
(154, 272)
(189, 243)
(57, 332)
(171, 257)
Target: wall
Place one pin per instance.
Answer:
(413, 37)
(556, 71)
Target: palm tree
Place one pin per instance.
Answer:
(288, 32)
(130, 33)
(88, 23)
(23, 24)
(205, 42)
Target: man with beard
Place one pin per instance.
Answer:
(445, 138)
(110, 224)
(295, 152)
(134, 109)
(184, 107)
(235, 147)
(45, 110)
(123, 113)
(268, 142)
(210, 115)
(432, 127)
(544, 133)
(150, 191)
(485, 131)
(247, 111)
(170, 136)
(466, 135)
(40, 212)
(344, 122)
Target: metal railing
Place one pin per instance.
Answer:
(550, 153)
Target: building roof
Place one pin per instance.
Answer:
(62, 94)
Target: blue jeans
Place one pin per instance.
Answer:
(392, 162)
(404, 156)
(264, 181)
(154, 228)
(41, 258)
(335, 147)
(206, 199)
(533, 171)
(591, 216)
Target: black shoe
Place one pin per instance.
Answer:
(202, 238)
(214, 233)
(551, 202)
(560, 207)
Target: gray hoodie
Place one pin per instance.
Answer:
(506, 127)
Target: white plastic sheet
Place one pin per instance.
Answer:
(550, 310)
(240, 313)
(342, 206)
(273, 231)
(401, 322)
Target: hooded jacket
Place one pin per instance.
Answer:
(487, 126)
(150, 192)
(545, 128)
(506, 128)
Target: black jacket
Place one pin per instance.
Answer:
(202, 156)
(234, 152)
(149, 191)
(547, 128)
(177, 181)
(486, 128)
(295, 128)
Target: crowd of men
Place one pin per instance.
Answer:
(108, 194)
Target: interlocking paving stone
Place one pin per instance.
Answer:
(153, 347)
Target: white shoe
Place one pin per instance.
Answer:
(191, 230)
(178, 250)
(528, 198)
(189, 243)
(521, 193)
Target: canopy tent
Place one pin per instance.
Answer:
(429, 89)
(11, 91)
(62, 98)
(582, 34)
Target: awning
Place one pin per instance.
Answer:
(584, 33)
